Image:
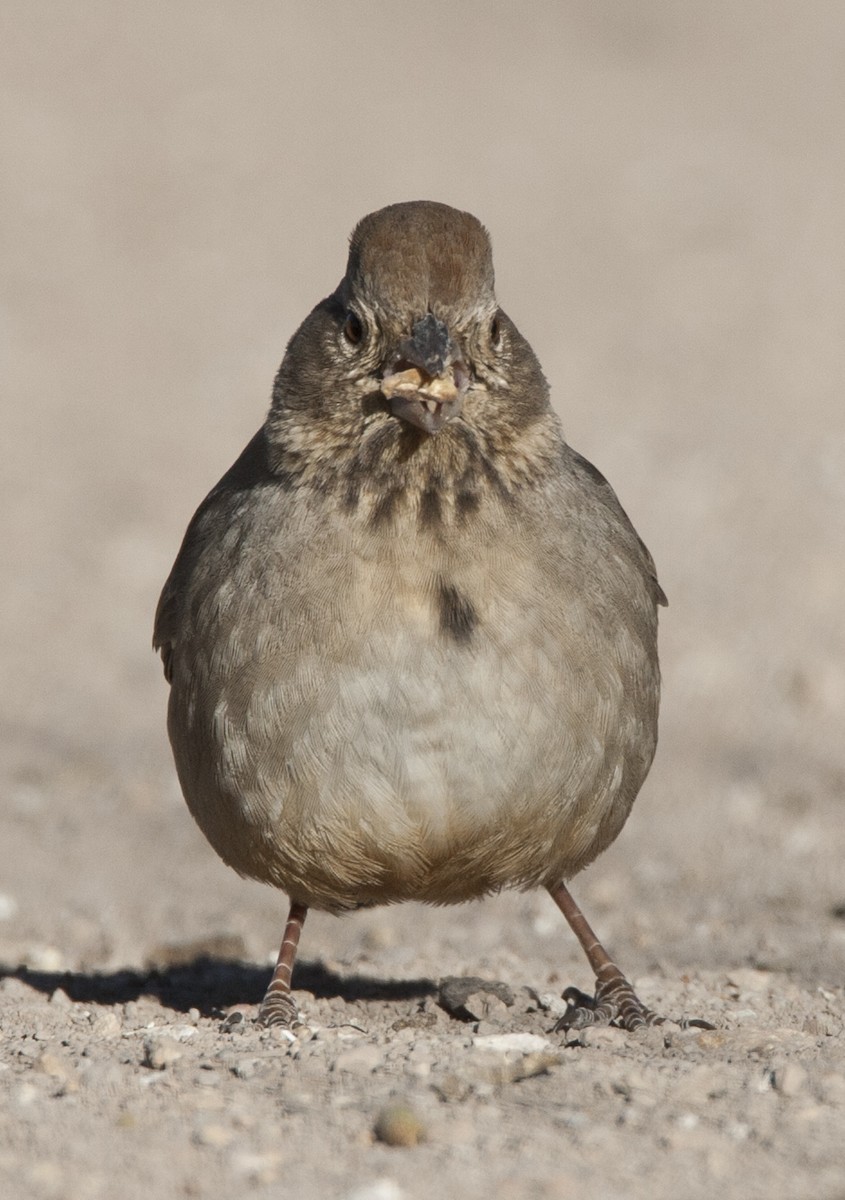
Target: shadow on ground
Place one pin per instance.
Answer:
(212, 985)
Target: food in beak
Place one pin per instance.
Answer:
(421, 401)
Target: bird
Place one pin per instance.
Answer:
(411, 634)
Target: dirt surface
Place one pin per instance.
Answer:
(663, 184)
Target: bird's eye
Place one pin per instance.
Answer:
(496, 333)
(353, 329)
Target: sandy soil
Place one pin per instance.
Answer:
(663, 183)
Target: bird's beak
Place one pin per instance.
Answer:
(427, 380)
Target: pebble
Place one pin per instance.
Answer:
(398, 1125)
(45, 958)
(213, 1135)
(551, 1003)
(472, 999)
(182, 1033)
(453, 1088)
(245, 1068)
(54, 1065)
(161, 1052)
(600, 1036)
(379, 1189)
(511, 1043)
(106, 1025)
(789, 1080)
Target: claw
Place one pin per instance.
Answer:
(615, 1003)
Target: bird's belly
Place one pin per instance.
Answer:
(405, 767)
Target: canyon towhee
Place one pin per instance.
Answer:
(411, 635)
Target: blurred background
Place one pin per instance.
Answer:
(663, 183)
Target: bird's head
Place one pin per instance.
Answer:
(412, 342)
(419, 309)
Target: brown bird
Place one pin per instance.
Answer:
(411, 635)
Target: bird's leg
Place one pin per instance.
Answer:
(277, 1007)
(615, 1002)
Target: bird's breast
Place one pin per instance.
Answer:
(404, 721)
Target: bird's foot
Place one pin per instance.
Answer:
(615, 1003)
(278, 1009)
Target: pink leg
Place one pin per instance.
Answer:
(277, 1007)
(615, 1002)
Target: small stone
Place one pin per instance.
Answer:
(213, 1135)
(182, 1033)
(280, 1034)
(711, 1039)
(398, 1125)
(512, 1043)
(106, 1025)
(553, 1004)
(472, 999)
(509, 1070)
(486, 1006)
(603, 1036)
(789, 1080)
(453, 1088)
(60, 998)
(379, 1189)
(161, 1052)
(53, 1065)
(488, 1028)
(45, 958)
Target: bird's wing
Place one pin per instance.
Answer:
(246, 473)
(587, 471)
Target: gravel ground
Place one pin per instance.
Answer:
(663, 184)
